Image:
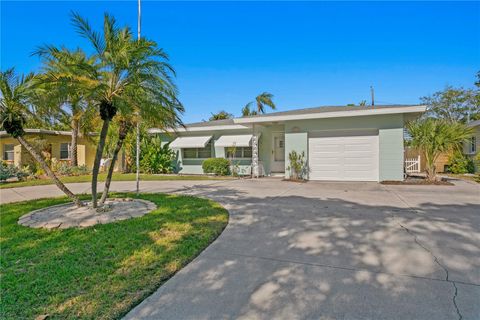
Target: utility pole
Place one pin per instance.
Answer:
(372, 92)
(137, 160)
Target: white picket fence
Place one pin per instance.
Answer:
(412, 165)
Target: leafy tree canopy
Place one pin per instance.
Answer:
(221, 115)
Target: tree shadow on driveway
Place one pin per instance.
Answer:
(329, 254)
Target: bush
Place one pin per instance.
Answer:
(459, 163)
(65, 169)
(156, 158)
(8, 171)
(217, 166)
(297, 166)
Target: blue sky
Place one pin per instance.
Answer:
(307, 54)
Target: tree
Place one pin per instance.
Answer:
(134, 77)
(262, 100)
(452, 104)
(17, 93)
(63, 79)
(221, 115)
(433, 137)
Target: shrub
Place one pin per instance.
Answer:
(459, 163)
(65, 169)
(217, 166)
(297, 165)
(8, 171)
(156, 158)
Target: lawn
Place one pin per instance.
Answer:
(103, 271)
(116, 177)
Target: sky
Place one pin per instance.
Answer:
(307, 54)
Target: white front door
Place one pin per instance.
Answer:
(278, 152)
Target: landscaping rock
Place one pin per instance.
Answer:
(68, 215)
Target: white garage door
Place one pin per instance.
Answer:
(345, 155)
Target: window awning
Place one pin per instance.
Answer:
(244, 140)
(190, 142)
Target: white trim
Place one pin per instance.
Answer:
(333, 114)
(194, 129)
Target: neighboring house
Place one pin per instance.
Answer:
(55, 146)
(340, 143)
(472, 146)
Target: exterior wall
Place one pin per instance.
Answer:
(390, 138)
(194, 166)
(85, 149)
(475, 157)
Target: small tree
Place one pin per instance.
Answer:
(433, 137)
(297, 165)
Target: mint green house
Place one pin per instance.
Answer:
(339, 143)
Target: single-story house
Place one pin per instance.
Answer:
(339, 143)
(54, 144)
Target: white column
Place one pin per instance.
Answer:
(255, 167)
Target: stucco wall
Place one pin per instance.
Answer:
(390, 138)
(85, 148)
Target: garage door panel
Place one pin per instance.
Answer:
(352, 156)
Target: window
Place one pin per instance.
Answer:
(472, 147)
(198, 153)
(8, 153)
(65, 151)
(240, 152)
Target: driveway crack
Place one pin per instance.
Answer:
(435, 258)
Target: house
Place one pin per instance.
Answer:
(339, 143)
(55, 146)
(472, 146)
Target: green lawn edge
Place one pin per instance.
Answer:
(115, 177)
(104, 271)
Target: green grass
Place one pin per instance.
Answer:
(102, 176)
(103, 271)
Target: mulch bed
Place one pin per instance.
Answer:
(418, 181)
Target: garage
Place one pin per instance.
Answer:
(343, 155)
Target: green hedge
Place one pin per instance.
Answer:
(217, 166)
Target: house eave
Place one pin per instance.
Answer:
(335, 114)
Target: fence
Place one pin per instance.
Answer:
(412, 165)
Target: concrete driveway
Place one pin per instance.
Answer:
(324, 251)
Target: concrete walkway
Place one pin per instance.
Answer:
(323, 251)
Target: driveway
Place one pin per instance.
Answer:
(324, 251)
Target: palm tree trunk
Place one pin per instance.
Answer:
(122, 134)
(108, 180)
(49, 171)
(98, 158)
(74, 151)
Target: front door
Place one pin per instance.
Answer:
(278, 152)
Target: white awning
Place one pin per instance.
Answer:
(244, 140)
(190, 142)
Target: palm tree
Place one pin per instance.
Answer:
(221, 115)
(433, 137)
(17, 93)
(133, 76)
(262, 100)
(63, 78)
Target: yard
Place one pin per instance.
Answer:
(103, 271)
(102, 176)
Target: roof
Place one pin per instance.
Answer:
(473, 123)
(298, 114)
(41, 131)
